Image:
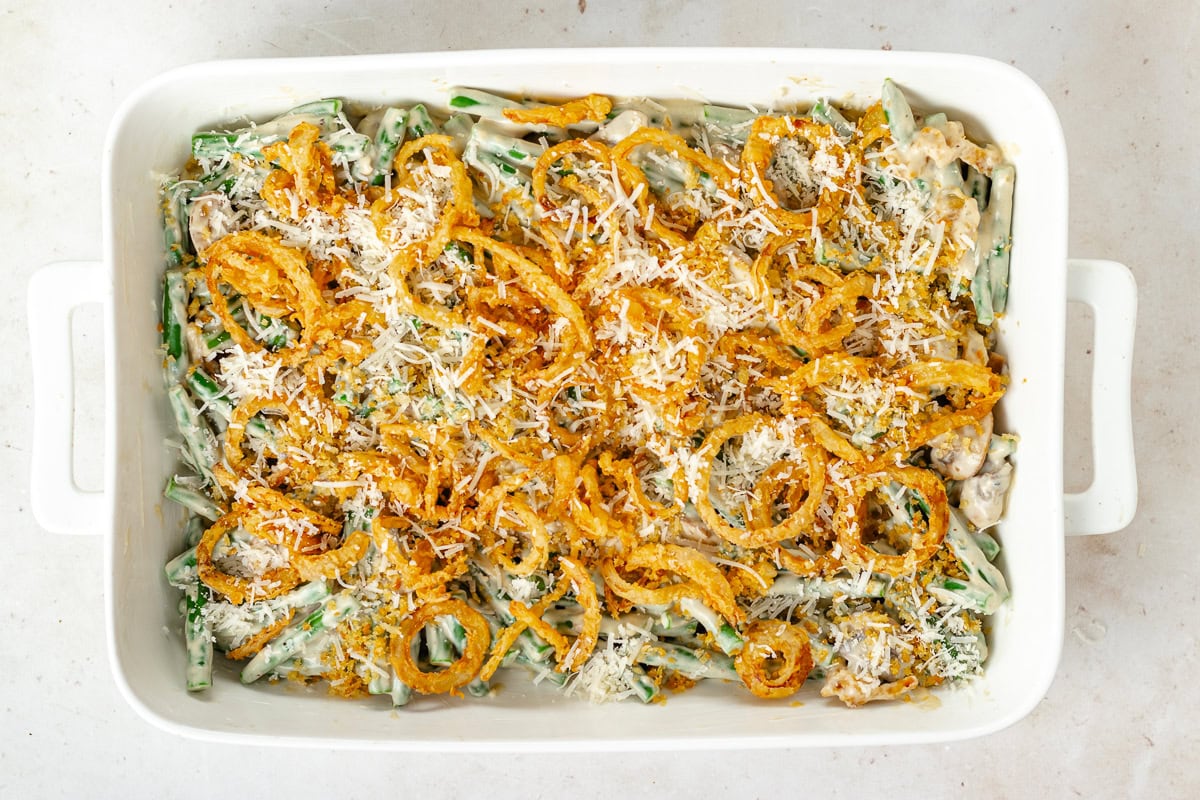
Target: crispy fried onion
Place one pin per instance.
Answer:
(625, 472)
(830, 317)
(305, 169)
(801, 518)
(268, 583)
(700, 163)
(585, 594)
(427, 201)
(776, 659)
(531, 559)
(973, 389)
(578, 338)
(428, 567)
(458, 674)
(310, 429)
(570, 655)
(760, 150)
(577, 202)
(273, 278)
(282, 521)
(851, 517)
(656, 562)
(643, 310)
(983, 386)
(260, 638)
(592, 107)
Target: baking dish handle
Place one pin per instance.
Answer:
(1109, 504)
(56, 290)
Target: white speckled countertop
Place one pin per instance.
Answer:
(1120, 719)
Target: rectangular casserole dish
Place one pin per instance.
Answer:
(150, 136)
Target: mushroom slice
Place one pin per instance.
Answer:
(982, 497)
(210, 217)
(959, 454)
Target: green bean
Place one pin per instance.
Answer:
(249, 142)
(174, 318)
(420, 123)
(985, 589)
(531, 645)
(275, 333)
(348, 146)
(441, 653)
(220, 180)
(898, 113)
(383, 680)
(199, 440)
(695, 664)
(193, 531)
(292, 638)
(253, 618)
(981, 287)
(218, 340)
(458, 128)
(645, 687)
(453, 630)
(377, 682)
(975, 186)
(823, 111)
(175, 226)
(787, 584)
(728, 125)
(218, 402)
(399, 691)
(724, 635)
(482, 104)
(534, 646)
(324, 108)
(540, 670)
(193, 501)
(989, 287)
(198, 635)
(219, 144)
(181, 570)
(569, 619)
(986, 544)
(386, 127)
(667, 174)
(519, 194)
(1000, 447)
(999, 227)
(512, 151)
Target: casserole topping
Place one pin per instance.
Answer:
(624, 394)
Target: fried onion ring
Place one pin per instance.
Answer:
(851, 516)
(800, 519)
(705, 581)
(270, 583)
(776, 660)
(756, 158)
(458, 674)
(272, 277)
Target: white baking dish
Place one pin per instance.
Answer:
(150, 135)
